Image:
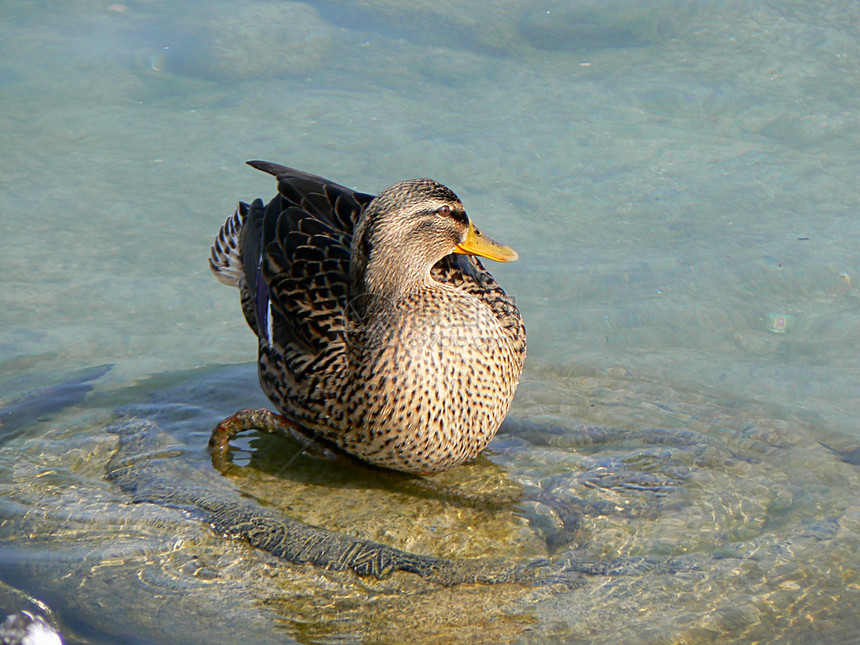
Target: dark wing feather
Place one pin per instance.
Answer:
(254, 292)
(319, 197)
(298, 247)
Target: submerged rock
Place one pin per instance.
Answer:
(593, 528)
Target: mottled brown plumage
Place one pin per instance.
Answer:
(379, 330)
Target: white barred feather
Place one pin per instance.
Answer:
(225, 259)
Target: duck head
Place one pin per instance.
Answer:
(407, 229)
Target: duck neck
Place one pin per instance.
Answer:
(390, 277)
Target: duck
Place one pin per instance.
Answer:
(381, 333)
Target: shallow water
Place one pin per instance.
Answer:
(681, 183)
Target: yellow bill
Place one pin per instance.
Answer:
(479, 244)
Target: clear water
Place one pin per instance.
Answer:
(679, 178)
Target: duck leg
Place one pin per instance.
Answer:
(264, 421)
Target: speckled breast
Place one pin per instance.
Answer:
(430, 391)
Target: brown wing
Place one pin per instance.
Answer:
(296, 256)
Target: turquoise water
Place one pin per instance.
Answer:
(680, 179)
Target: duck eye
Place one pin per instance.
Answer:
(444, 211)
